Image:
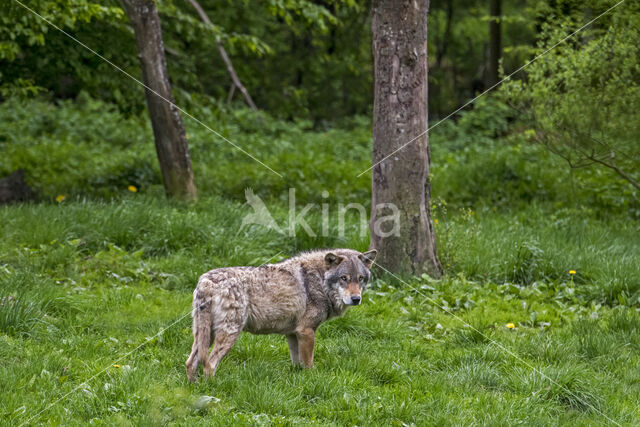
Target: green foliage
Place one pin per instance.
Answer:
(35, 55)
(298, 58)
(582, 99)
(74, 148)
(88, 149)
(319, 62)
(458, 37)
(484, 160)
(20, 26)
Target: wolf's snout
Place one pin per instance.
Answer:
(355, 300)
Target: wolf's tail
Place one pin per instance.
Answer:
(202, 318)
(202, 330)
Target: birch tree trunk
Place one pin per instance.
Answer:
(399, 115)
(168, 129)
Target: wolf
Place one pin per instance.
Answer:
(292, 298)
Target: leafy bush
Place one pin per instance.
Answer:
(88, 149)
(581, 102)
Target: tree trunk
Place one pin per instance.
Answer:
(399, 114)
(442, 50)
(168, 130)
(495, 42)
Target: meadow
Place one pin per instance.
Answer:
(536, 321)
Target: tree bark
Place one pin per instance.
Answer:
(223, 53)
(399, 114)
(168, 129)
(495, 42)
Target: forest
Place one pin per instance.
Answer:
(488, 150)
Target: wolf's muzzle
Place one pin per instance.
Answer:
(355, 300)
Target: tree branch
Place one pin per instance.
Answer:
(171, 51)
(232, 90)
(225, 58)
(589, 158)
(612, 165)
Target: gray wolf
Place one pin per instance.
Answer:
(292, 298)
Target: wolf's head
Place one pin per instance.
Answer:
(347, 274)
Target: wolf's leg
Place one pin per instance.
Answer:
(293, 349)
(192, 362)
(223, 344)
(306, 340)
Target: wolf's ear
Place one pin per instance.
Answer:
(332, 259)
(367, 258)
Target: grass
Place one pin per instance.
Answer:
(85, 283)
(88, 285)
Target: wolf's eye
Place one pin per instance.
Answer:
(343, 278)
(361, 278)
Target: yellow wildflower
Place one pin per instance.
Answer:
(133, 188)
(511, 326)
(60, 198)
(572, 272)
(116, 366)
(435, 221)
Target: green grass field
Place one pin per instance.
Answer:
(88, 288)
(95, 290)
